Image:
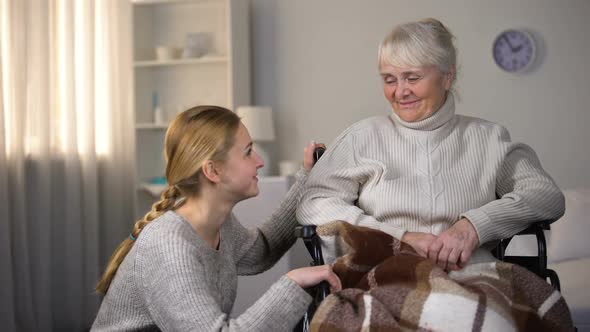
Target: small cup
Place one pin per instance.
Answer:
(164, 53)
(288, 167)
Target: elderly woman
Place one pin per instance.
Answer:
(448, 185)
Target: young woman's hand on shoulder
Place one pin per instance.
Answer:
(313, 275)
(308, 161)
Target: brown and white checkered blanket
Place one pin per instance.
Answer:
(388, 287)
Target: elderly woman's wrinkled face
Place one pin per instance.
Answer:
(415, 93)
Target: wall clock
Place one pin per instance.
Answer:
(514, 50)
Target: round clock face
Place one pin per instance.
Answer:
(514, 50)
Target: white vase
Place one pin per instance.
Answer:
(197, 44)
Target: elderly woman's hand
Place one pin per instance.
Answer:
(419, 241)
(453, 248)
(308, 154)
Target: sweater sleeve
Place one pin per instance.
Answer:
(526, 194)
(173, 283)
(260, 248)
(334, 186)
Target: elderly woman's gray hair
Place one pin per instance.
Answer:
(419, 44)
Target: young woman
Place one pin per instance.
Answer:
(178, 269)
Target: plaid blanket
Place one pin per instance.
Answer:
(388, 287)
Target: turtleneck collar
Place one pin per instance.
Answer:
(439, 118)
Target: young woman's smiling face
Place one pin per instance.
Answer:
(240, 170)
(415, 93)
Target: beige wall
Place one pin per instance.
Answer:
(314, 63)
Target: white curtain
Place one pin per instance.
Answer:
(66, 156)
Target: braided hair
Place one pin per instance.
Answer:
(196, 135)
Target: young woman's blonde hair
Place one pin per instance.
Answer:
(199, 134)
(419, 44)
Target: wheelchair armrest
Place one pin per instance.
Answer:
(536, 264)
(532, 229)
(305, 231)
(312, 242)
(538, 229)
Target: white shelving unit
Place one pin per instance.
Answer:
(220, 77)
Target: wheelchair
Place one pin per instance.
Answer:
(536, 264)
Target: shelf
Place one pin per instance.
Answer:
(176, 62)
(152, 126)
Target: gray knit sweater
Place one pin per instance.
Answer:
(173, 281)
(399, 177)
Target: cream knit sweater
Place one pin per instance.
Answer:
(399, 177)
(172, 280)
